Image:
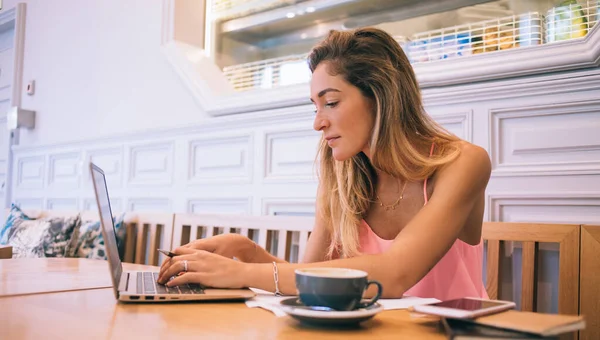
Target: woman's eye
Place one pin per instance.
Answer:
(332, 104)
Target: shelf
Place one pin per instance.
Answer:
(313, 18)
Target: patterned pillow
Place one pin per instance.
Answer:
(27, 238)
(14, 218)
(58, 235)
(45, 237)
(87, 240)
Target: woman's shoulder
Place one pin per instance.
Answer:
(473, 163)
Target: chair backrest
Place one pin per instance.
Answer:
(589, 292)
(531, 234)
(277, 234)
(148, 232)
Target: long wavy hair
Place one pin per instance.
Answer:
(371, 60)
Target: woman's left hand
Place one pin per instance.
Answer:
(203, 267)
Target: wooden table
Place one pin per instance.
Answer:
(33, 276)
(95, 314)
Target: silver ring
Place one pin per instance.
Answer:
(185, 265)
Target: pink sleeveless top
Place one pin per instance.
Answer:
(458, 274)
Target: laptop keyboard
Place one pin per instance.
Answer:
(146, 284)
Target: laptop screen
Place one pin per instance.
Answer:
(108, 227)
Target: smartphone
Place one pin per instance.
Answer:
(465, 308)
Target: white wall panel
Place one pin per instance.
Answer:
(290, 156)
(30, 203)
(546, 139)
(220, 206)
(569, 208)
(151, 164)
(149, 204)
(62, 204)
(89, 204)
(30, 172)
(459, 123)
(221, 160)
(110, 160)
(288, 206)
(64, 170)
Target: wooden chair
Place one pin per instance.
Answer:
(5, 252)
(263, 229)
(530, 234)
(148, 231)
(589, 281)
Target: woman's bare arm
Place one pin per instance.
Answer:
(420, 245)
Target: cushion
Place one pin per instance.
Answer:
(29, 237)
(58, 235)
(87, 240)
(14, 218)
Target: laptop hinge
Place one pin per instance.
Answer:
(124, 282)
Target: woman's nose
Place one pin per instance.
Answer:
(320, 123)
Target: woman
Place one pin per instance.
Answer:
(398, 196)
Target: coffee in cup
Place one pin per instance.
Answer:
(336, 288)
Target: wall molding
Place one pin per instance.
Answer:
(465, 119)
(159, 171)
(296, 114)
(273, 160)
(241, 204)
(149, 204)
(495, 202)
(57, 177)
(28, 180)
(221, 167)
(272, 205)
(544, 168)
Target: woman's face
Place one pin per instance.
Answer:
(343, 113)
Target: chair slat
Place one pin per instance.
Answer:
(155, 240)
(282, 244)
(193, 233)
(568, 273)
(529, 277)
(303, 240)
(493, 268)
(141, 241)
(589, 293)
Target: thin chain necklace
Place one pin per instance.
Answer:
(395, 204)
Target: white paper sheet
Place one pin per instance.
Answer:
(266, 300)
(270, 302)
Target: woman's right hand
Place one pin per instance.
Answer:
(227, 245)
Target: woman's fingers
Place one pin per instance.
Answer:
(183, 250)
(189, 277)
(177, 265)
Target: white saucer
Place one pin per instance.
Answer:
(321, 316)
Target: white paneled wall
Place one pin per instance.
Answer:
(543, 141)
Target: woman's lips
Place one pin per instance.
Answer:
(330, 141)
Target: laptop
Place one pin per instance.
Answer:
(136, 286)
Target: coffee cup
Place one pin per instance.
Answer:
(340, 289)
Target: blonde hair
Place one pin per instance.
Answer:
(374, 62)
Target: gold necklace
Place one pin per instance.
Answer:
(395, 204)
